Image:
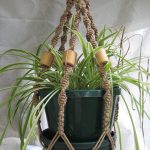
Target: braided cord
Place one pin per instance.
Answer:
(76, 27)
(107, 98)
(73, 38)
(65, 31)
(105, 83)
(63, 20)
(62, 99)
(92, 37)
(93, 26)
(64, 83)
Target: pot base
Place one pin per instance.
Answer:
(60, 145)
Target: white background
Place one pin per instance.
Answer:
(25, 23)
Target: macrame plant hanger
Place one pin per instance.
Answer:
(69, 60)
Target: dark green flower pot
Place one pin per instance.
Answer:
(83, 113)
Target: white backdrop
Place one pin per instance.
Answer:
(25, 23)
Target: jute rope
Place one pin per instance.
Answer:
(107, 110)
(62, 99)
(63, 20)
(65, 32)
(76, 26)
(82, 7)
(93, 26)
(92, 37)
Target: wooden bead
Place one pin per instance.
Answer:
(47, 59)
(101, 57)
(69, 57)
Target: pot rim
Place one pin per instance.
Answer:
(78, 93)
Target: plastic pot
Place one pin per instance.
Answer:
(83, 113)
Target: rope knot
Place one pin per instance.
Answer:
(62, 99)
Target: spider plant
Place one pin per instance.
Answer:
(84, 76)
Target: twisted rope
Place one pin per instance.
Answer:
(65, 31)
(92, 32)
(63, 20)
(107, 106)
(66, 28)
(107, 98)
(93, 26)
(62, 100)
(91, 37)
(76, 26)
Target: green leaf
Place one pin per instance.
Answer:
(82, 42)
(47, 98)
(134, 129)
(101, 41)
(4, 132)
(107, 66)
(120, 137)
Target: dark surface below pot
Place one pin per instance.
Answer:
(83, 113)
(45, 139)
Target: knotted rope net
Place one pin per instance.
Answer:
(62, 98)
(82, 9)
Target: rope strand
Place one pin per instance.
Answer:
(76, 26)
(87, 22)
(82, 8)
(65, 31)
(92, 37)
(93, 26)
(63, 19)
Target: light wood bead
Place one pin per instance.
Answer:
(47, 59)
(101, 57)
(69, 57)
